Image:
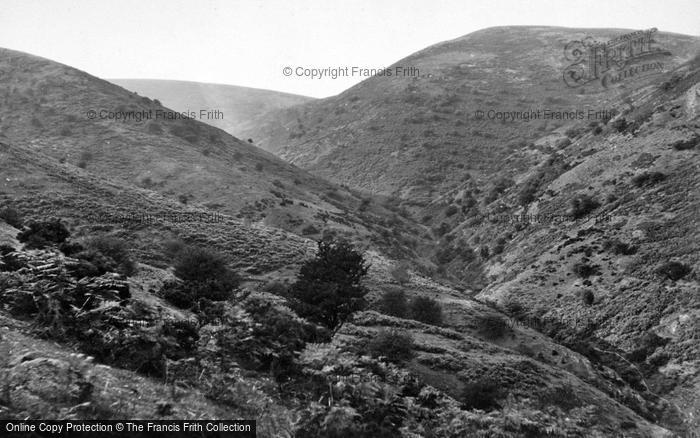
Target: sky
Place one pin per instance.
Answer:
(250, 42)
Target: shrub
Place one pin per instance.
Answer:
(587, 297)
(43, 234)
(499, 186)
(394, 303)
(259, 167)
(492, 326)
(309, 230)
(199, 264)
(617, 247)
(482, 394)
(205, 276)
(11, 216)
(648, 343)
(682, 145)
(451, 210)
(65, 132)
(108, 254)
(528, 192)
(584, 270)
(484, 252)
(673, 270)
(562, 143)
(648, 179)
(620, 124)
(581, 205)
(329, 287)
(513, 308)
(426, 309)
(395, 345)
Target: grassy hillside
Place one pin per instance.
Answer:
(417, 136)
(48, 108)
(241, 106)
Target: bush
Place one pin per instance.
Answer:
(309, 230)
(528, 192)
(42, 234)
(581, 205)
(587, 297)
(682, 145)
(673, 270)
(107, 254)
(394, 303)
(482, 394)
(620, 124)
(620, 248)
(329, 287)
(584, 270)
(425, 309)
(451, 210)
(395, 345)
(492, 326)
(11, 216)
(648, 179)
(205, 275)
(199, 264)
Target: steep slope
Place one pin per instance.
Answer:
(240, 106)
(89, 126)
(609, 267)
(416, 135)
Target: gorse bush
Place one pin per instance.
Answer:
(482, 394)
(584, 270)
(394, 303)
(329, 287)
(618, 247)
(425, 309)
(492, 326)
(395, 345)
(648, 179)
(43, 234)
(582, 205)
(673, 270)
(108, 254)
(204, 274)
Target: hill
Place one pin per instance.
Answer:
(89, 128)
(240, 106)
(416, 135)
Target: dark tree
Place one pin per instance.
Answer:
(329, 287)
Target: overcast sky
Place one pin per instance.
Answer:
(249, 42)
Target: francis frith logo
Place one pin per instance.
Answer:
(613, 61)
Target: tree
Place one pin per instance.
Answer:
(329, 287)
